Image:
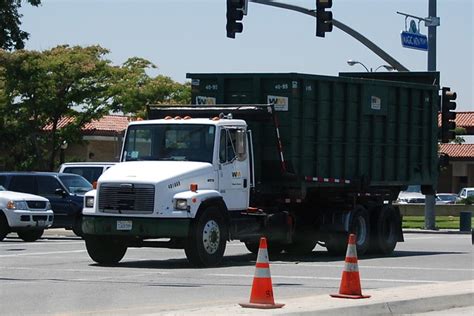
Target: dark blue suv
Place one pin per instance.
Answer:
(64, 191)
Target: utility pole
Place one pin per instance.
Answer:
(430, 200)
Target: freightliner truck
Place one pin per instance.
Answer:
(301, 159)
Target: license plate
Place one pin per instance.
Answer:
(124, 225)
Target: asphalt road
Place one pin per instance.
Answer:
(55, 275)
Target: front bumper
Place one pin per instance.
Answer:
(29, 219)
(135, 226)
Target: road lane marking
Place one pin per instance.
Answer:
(24, 244)
(326, 278)
(41, 253)
(339, 266)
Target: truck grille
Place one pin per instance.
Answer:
(123, 198)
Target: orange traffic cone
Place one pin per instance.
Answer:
(350, 282)
(262, 293)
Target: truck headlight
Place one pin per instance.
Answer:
(89, 201)
(181, 204)
(48, 205)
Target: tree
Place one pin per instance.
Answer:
(39, 89)
(135, 89)
(10, 34)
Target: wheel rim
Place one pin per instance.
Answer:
(211, 237)
(361, 230)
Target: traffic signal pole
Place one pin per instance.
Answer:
(348, 30)
(430, 200)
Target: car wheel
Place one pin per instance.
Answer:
(4, 228)
(77, 226)
(30, 235)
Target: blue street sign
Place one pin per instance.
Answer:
(414, 40)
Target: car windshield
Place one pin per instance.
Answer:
(413, 188)
(447, 197)
(75, 184)
(182, 142)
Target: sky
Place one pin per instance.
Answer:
(189, 36)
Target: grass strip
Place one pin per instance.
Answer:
(442, 222)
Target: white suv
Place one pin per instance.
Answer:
(26, 214)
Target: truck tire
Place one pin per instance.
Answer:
(300, 247)
(386, 230)
(360, 226)
(4, 228)
(104, 250)
(30, 235)
(273, 247)
(336, 244)
(207, 238)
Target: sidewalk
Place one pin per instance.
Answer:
(386, 301)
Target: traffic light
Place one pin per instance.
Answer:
(323, 17)
(447, 115)
(235, 13)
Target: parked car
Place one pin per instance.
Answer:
(465, 193)
(411, 195)
(446, 198)
(89, 170)
(26, 214)
(65, 192)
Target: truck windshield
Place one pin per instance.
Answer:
(186, 142)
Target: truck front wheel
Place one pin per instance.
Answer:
(104, 250)
(207, 239)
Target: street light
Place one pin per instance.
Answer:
(355, 62)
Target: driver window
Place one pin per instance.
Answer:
(227, 148)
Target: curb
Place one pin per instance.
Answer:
(438, 231)
(391, 301)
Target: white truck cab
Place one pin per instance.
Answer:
(172, 171)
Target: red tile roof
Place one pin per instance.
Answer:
(463, 119)
(109, 125)
(461, 151)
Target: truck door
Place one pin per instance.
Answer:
(234, 168)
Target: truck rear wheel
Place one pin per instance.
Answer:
(273, 247)
(30, 235)
(359, 225)
(207, 240)
(386, 230)
(104, 250)
(300, 247)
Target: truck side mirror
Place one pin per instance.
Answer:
(241, 138)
